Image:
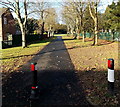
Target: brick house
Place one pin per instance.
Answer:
(7, 27)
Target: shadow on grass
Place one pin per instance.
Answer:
(40, 53)
(58, 87)
(55, 88)
(96, 83)
(74, 47)
(41, 41)
(105, 43)
(67, 39)
(88, 39)
(35, 42)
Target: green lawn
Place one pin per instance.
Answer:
(13, 58)
(60, 35)
(75, 42)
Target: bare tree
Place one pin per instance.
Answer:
(76, 9)
(93, 7)
(50, 21)
(40, 8)
(80, 10)
(18, 7)
(69, 18)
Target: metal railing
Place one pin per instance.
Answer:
(104, 35)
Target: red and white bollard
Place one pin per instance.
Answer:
(34, 88)
(111, 75)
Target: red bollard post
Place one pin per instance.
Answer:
(111, 75)
(34, 88)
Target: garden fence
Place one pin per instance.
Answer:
(104, 35)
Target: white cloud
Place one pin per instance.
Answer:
(103, 5)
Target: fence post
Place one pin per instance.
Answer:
(34, 88)
(111, 75)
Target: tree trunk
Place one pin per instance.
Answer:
(48, 34)
(23, 36)
(71, 32)
(83, 36)
(42, 30)
(93, 40)
(95, 18)
(68, 30)
(113, 36)
(23, 40)
(51, 33)
(96, 32)
(77, 26)
(81, 25)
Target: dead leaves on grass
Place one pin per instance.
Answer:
(95, 86)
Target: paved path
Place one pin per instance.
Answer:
(58, 83)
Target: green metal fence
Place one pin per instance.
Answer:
(104, 35)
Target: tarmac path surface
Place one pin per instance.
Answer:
(57, 80)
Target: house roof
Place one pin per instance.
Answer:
(2, 10)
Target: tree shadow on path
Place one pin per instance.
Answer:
(58, 82)
(60, 88)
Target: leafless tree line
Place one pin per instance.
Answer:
(74, 16)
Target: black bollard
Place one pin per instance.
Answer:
(111, 76)
(34, 88)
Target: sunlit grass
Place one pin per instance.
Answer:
(12, 52)
(13, 57)
(70, 42)
(60, 35)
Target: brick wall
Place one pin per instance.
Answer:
(9, 27)
(1, 29)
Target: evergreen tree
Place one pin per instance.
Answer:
(112, 16)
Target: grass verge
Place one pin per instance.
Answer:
(13, 58)
(91, 68)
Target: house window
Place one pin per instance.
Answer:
(5, 21)
(9, 36)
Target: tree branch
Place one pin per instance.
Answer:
(25, 9)
(91, 12)
(8, 5)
